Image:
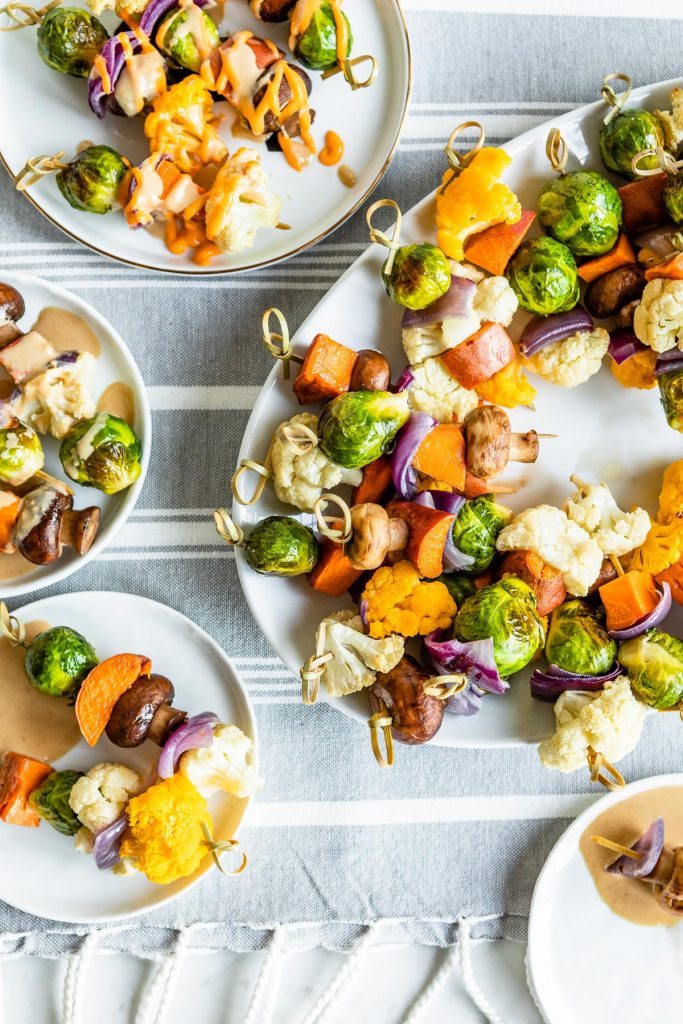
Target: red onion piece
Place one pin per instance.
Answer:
(108, 841)
(543, 330)
(195, 732)
(624, 344)
(656, 616)
(444, 501)
(473, 657)
(405, 379)
(669, 361)
(409, 440)
(554, 681)
(660, 240)
(650, 846)
(113, 56)
(363, 612)
(156, 10)
(456, 302)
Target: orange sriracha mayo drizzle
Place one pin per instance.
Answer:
(333, 150)
(100, 66)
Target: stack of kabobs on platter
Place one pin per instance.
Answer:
(167, 66)
(159, 825)
(454, 594)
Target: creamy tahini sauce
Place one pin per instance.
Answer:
(67, 331)
(119, 400)
(12, 566)
(624, 823)
(31, 722)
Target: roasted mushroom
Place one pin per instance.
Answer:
(271, 10)
(12, 308)
(491, 443)
(371, 372)
(607, 294)
(624, 316)
(415, 716)
(376, 537)
(144, 712)
(272, 123)
(48, 522)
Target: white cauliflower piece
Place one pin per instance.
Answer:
(356, 657)
(422, 343)
(99, 7)
(559, 542)
(240, 203)
(300, 479)
(100, 797)
(467, 270)
(672, 121)
(610, 721)
(224, 765)
(84, 841)
(573, 360)
(438, 394)
(658, 319)
(616, 532)
(62, 394)
(495, 301)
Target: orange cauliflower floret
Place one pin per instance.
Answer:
(637, 371)
(182, 126)
(475, 200)
(165, 839)
(398, 601)
(509, 387)
(671, 495)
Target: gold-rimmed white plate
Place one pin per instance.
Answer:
(43, 112)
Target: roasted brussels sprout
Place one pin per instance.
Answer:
(476, 529)
(21, 453)
(359, 426)
(69, 39)
(577, 640)
(51, 801)
(626, 135)
(419, 275)
(506, 612)
(459, 585)
(583, 210)
(178, 40)
(672, 197)
(543, 276)
(92, 180)
(654, 663)
(58, 660)
(671, 397)
(316, 47)
(281, 546)
(102, 452)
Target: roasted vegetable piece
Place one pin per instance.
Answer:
(544, 277)
(315, 44)
(577, 640)
(399, 602)
(51, 801)
(607, 294)
(12, 308)
(415, 716)
(479, 357)
(47, 523)
(10, 506)
(476, 530)
(508, 387)
(418, 276)
(371, 372)
(281, 546)
(144, 712)
(505, 611)
(101, 689)
(69, 39)
(545, 581)
(672, 198)
(377, 478)
(58, 660)
(92, 180)
(441, 455)
(356, 428)
(427, 532)
(272, 10)
(654, 663)
(326, 370)
(619, 256)
(21, 453)
(628, 599)
(670, 269)
(671, 397)
(102, 452)
(356, 657)
(491, 442)
(626, 135)
(582, 209)
(643, 203)
(19, 776)
(176, 37)
(492, 249)
(333, 573)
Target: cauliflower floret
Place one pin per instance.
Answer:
(398, 601)
(98, 7)
(671, 494)
(356, 657)
(223, 765)
(300, 479)
(98, 798)
(672, 121)
(183, 127)
(495, 301)
(55, 399)
(467, 270)
(573, 360)
(240, 203)
(84, 841)
(559, 542)
(658, 319)
(438, 394)
(474, 200)
(594, 508)
(610, 721)
(422, 343)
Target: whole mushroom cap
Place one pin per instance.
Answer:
(488, 432)
(38, 526)
(133, 712)
(12, 305)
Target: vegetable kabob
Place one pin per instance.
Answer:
(649, 861)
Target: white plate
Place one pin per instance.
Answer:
(204, 680)
(50, 113)
(585, 962)
(114, 364)
(605, 432)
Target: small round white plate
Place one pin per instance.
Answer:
(605, 432)
(49, 112)
(586, 963)
(40, 872)
(114, 364)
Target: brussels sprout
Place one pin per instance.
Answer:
(69, 39)
(281, 546)
(459, 585)
(178, 40)
(672, 198)
(102, 452)
(476, 529)
(316, 48)
(57, 661)
(654, 663)
(671, 397)
(626, 135)
(506, 612)
(21, 453)
(420, 275)
(51, 801)
(92, 180)
(577, 640)
(359, 426)
(583, 210)
(543, 276)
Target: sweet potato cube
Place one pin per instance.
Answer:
(493, 248)
(428, 530)
(481, 355)
(621, 255)
(377, 478)
(671, 269)
(642, 202)
(333, 573)
(325, 372)
(19, 777)
(628, 599)
(545, 581)
(441, 455)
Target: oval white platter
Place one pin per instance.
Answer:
(49, 113)
(114, 364)
(40, 872)
(605, 432)
(586, 963)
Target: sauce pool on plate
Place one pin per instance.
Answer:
(67, 331)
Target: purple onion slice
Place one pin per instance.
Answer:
(543, 330)
(649, 846)
(409, 440)
(669, 361)
(550, 685)
(157, 9)
(115, 60)
(457, 302)
(473, 657)
(405, 379)
(195, 732)
(108, 841)
(624, 344)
